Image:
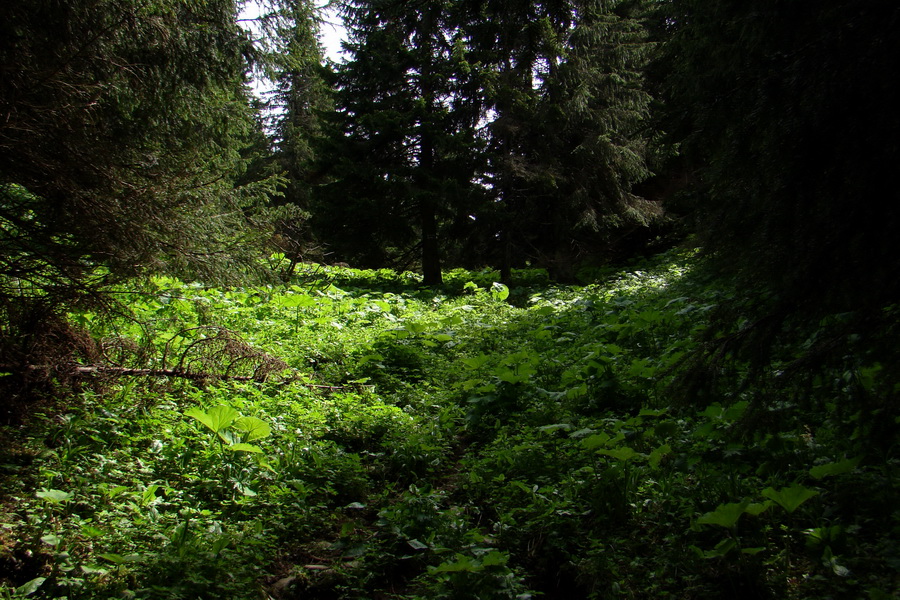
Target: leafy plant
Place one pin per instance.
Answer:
(233, 434)
(234, 431)
(445, 445)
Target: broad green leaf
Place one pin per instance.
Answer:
(725, 515)
(252, 428)
(119, 559)
(642, 367)
(417, 545)
(113, 492)
(705, 430)
(831, 560)
(725, 546)
(790, 498)
(647, 412)
(518, 375)
(242, 447)
(94, 570)
(581, 433)
(220, 544)
(462, 563)
(713, 411)
(149, 494)
(51, 539)
(113, 557)
(556, 427)
(649, 316)
(245, 491)
(868, 376)
(757, 508)
(595, 441)
(835, 468)
(297, 301)
(218, 418)
(499, 291)
(91, 531)
(229, 437)
(623, 453)
(475, 362)
(824, 535)
(452, 320)
(577, 391)
(54, 496)
(415, 327)
(494, 558)
(736, 411)
(658, 454)
(30, 587)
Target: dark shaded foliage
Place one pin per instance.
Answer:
(788, 114)
(123, 126)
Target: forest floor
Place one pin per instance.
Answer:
(352, 434)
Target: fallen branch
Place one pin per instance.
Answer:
(83, 370)
(107, 370)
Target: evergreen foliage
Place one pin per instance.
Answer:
(699, 426)
(490, 130)
(580, 146)
(123, 126)
(407, 134)
(126, 128)
(785, 115)
(787, 112)
(296, 110)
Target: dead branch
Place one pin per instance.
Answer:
(85, 370)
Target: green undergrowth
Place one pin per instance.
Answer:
(378, 439)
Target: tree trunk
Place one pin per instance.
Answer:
(431, 255)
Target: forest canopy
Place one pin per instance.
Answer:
(126, 127)
(566, 135)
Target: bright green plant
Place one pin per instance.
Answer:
(233, 433)
(448, 444)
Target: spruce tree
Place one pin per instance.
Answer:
(510, 42)
(124, 126)
(508, 130)
(124, 123)
(592, 144)
(296, 110)
(406, 134)
(787, 113)
(562, 84)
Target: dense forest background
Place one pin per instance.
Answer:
(507, 156)
(565, 136)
